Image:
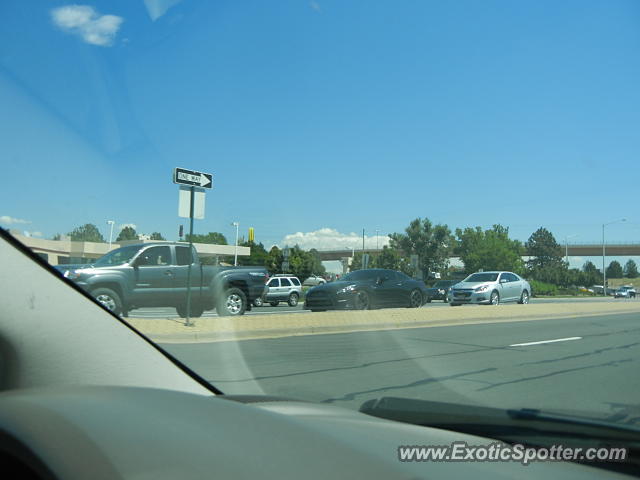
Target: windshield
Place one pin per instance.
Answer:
(348, 140)
(117, 257)
(482, 277)
(362, 275)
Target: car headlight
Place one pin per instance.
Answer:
(482, 288)
(72, 274)
(348, 289)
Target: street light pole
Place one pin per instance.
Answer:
(604, 271)
(566, 248)
(110, 222)
(235, 260)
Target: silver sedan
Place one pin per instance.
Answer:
(491, 288)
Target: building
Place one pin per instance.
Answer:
(65, 251)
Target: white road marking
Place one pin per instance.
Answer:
(568, 339)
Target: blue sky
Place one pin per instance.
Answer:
(321, 118)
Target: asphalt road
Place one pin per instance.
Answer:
(284, 308)
(586, 364)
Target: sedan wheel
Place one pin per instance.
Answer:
(415, 299)
(362, 301)
(258, 302)
(495, 298)
(524, 298)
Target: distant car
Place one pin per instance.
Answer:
(313, 280)
(626, 291)
(440, 290)
(365, 289)
(282, 288)
(491, 288)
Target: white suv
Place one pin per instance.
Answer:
(282, 288)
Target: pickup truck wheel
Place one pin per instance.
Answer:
(258, 302)
(108, 299)
(232, 303)
(196, 311)
(293, 300)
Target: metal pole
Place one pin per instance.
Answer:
(235, 260)
(377, 247)
(110, 222)
(604, 272)
(363, 242)
(188, 324)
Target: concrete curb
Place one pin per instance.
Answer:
(277, 326)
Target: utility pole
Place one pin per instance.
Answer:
(110, 222)
(235, 260)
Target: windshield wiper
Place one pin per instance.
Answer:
(499, 423)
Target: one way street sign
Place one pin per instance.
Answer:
(182, 176)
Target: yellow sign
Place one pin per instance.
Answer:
(251, 234)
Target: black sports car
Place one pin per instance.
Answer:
(365, 289)
(441, 290)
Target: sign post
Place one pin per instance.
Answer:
(195, 182)
(285, 256)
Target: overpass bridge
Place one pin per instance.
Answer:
(576, 250)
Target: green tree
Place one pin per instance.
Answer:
(303, 264)
(491, 249)
(630, 269)
(274, 261)
(215, 238)
(389, 258)
(546, 263)
(258, 256)
(156, 236)
(432, 244)
(614, 270)
(591, 274)
(86, 233)
(127, 233)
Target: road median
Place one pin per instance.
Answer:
(174, 330)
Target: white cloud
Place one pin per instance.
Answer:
(330, 239)
(124, 225)
(315, 6)
(157, 8)
(7, 220)
(86, 22)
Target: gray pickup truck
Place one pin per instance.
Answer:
(155, 275)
